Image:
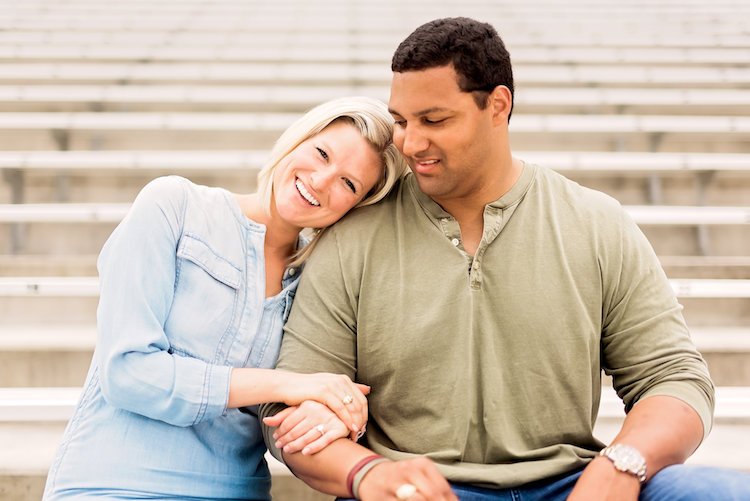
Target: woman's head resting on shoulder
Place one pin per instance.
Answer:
(337, 156)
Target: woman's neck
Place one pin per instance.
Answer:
(281, 238)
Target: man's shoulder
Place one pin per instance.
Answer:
(366, 217)
(572, 193)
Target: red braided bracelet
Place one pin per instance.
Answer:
(362, 462)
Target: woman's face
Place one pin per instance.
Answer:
(325, 176)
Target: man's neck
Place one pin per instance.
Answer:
(469, 211)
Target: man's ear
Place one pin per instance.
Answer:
(501, 101)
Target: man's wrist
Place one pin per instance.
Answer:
(626, 459)
(358, 472)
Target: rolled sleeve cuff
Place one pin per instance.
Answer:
(699, 398)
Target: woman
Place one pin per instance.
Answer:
(195, 284)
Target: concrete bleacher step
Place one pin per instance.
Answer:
(359, 73)
(233, 130)
(73, 228)
(297, 98)
(70, 264)
(712, 56)
(114, 212)
(706, 266)
(632, 178)
(48, 355)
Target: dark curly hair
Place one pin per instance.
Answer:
(475, 50)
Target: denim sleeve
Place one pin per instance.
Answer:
(139, 373)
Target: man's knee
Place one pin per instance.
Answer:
(697, 483)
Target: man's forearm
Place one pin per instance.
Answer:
(664, 429)
(327, 470)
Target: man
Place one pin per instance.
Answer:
(481, 301)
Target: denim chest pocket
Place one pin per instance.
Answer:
(206, 299)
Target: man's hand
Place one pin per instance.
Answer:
(384, 480)
(601, 481)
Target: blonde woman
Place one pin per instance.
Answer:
(196, 283)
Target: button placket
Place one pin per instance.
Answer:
(451, 231)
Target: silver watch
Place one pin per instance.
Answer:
(626, 459)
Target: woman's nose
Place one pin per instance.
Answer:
(321, 178)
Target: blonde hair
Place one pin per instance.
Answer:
(373, 121)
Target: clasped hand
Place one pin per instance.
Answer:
(324, 408)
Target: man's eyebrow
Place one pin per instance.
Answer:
(435, 109)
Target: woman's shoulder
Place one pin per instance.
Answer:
(177, 191)
(168, 186)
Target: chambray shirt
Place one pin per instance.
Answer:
(182, 301)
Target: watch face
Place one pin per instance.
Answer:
(627, 459)
(628, 456)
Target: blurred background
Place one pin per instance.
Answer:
(648, 101)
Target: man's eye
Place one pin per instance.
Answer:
(350, 185)
(427, 120)
(322, 153)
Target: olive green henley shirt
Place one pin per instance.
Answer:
(491, 364)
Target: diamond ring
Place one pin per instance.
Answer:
(347, 399)
(320, 429)
(405, 492)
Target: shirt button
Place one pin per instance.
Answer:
(455, 241)
(476, 265)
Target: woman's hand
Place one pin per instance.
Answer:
(308, 427)
(336, 391)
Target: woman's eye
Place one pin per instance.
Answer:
(350, 185)
(322, 153)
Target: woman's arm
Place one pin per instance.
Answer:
(342, 396)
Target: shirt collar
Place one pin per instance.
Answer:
(510, 198)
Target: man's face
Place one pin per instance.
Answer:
(441, 131)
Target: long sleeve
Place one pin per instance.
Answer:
(137, 267)
(646, 346)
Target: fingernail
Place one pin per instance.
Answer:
(275, 436)
(354, 427)
(277, 444)
(305, 451)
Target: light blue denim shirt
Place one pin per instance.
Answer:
(182, 301)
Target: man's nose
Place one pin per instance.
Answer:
(413, 141)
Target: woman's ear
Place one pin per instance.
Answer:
(501, 101)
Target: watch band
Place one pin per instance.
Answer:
(626, 459)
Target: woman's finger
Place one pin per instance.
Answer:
(317, 437)
(298, 432)
(289, 423)
(365, 389)
(277, 419)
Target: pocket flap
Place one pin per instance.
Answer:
(201, 254)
